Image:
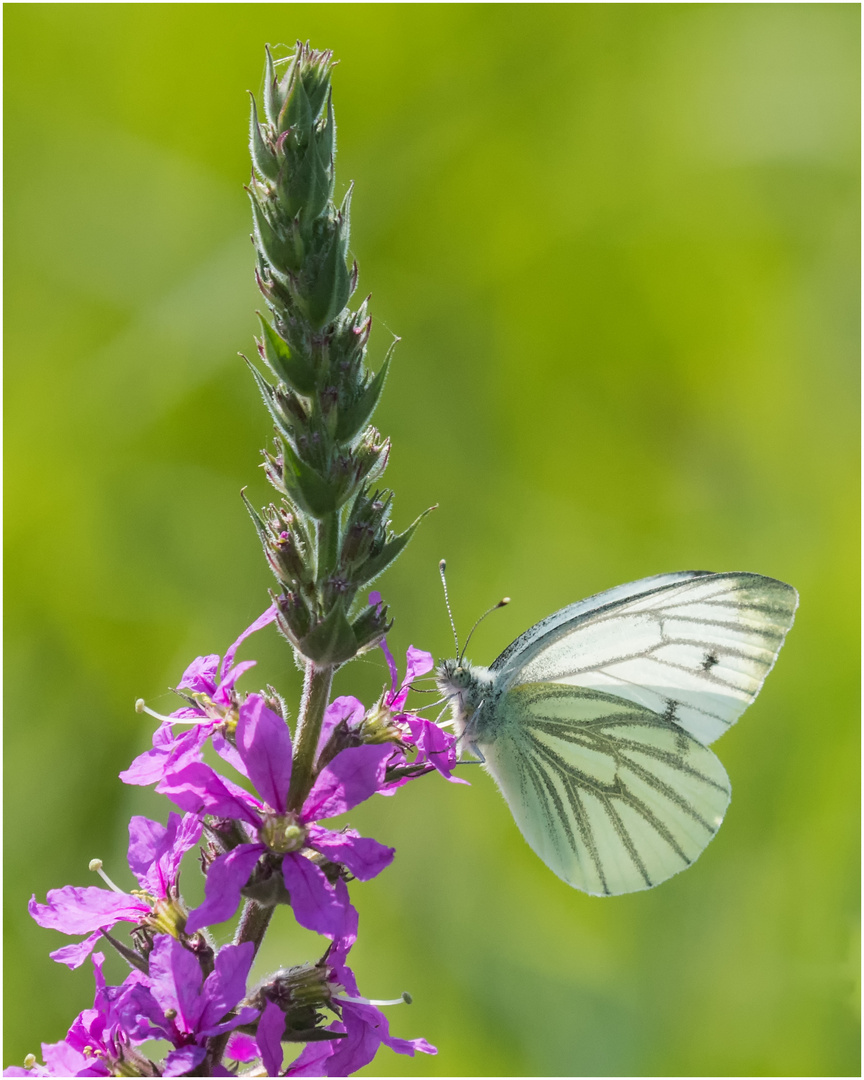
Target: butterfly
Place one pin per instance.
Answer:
(596, 723)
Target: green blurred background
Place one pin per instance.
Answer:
(619, 243)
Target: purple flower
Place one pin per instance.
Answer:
(178, 1004)
(364, 1026)
(264, 753)
(241, 1048)
(430, 746)
(155, 853)
(269, 1038)
(97, 1043)
(210, 704)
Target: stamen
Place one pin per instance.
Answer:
(96, 866)
(405, 999)
(141, 706)
(29, 1061)
(431, 705)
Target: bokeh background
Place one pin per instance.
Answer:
(619, 243)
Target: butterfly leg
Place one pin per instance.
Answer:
(479, 759)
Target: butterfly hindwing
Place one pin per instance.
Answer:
(693, 647)
(612, 797)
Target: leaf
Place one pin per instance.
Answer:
(288, 365)
(263, 157)
(311, 491)
(355, 418)
(332, 641)
(388, 554)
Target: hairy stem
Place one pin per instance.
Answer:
(316, 697)
(252, 927)
(253, 924)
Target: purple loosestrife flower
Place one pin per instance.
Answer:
(241, 1048)
(211, 705)
(359, 1031)
(346, 722)
(265, 755)
(155, 853)
(178, 1004)
(435, 748)
(98, 1042)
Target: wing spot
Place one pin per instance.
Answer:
(709, 661)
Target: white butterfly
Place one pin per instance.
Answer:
(596, 722)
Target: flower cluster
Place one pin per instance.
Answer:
(326, 538)
(184, 989)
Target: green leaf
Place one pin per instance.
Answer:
(287, 365)
(269, 396)
(355, 418)
(279, 254)
(332, 641)
(388, 554)
(311, 491)
(327, 137)
(260, 527)
(305, 182)
(274, 95)
(263, 157)
(297, 110)
(329, 291)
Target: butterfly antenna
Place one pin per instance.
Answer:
(501, 603)
(442, 567)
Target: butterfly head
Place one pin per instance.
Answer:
(454, 676)
(465, 686)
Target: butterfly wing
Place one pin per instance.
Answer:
(693, 647)
(611, 796)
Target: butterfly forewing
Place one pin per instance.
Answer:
(693, 648)
(612, 797)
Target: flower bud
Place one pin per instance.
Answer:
(371, 626)
(293, 617)
(300, 992)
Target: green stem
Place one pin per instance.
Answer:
(252, 927)
(316, 697)
(253, 923)
(328, 546)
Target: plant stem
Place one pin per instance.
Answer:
(316, 697)
(327, 530)
(252, 927)
(253, 924)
